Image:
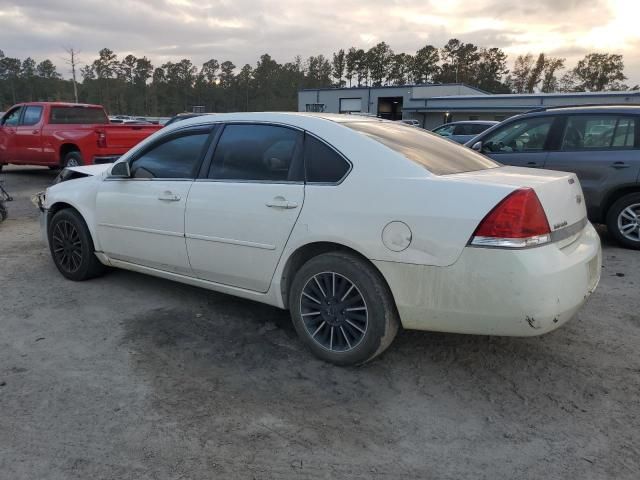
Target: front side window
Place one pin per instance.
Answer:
(177, 157)
(445, 131)
(526, 135)
(32, 115)
(12, 118)
(249, 152)
(78, 115)
(597, 132)
(438, 155)
(322, 163)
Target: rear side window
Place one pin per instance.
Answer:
(436, 154)
(77, 115)
(598, 132)
(258, 153)
(323, 164)
(178, 157)
(31, 115)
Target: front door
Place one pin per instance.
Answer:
(29, 136)
(239, 217)
(141, 219)
(8, 127)
(521, 143)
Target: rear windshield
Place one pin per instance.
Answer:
(67, 115)
(436, 154)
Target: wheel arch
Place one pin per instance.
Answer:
(67, 148)
(305, 252)
(62, 205)
(615, 195)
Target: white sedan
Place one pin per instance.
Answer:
(356, 225)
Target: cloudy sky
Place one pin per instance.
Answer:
(241, 30)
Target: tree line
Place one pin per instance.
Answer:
(134, 85)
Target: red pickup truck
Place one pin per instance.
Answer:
(64, 134)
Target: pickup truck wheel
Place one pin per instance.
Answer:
(623, 221)
(72, 247)
(342, 309)
(72, 159)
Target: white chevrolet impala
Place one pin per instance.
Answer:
(356, 225)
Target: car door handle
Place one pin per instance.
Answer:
(620, 165)
(35, 132)
(281, 202)
(532, 164)
(169, 197)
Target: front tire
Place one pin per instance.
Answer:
(623, 221)
(342, 309)
(72, 248)
(72, 159)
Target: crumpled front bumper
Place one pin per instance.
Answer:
(39, 201)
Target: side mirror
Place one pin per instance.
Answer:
(477, 146)
(121, 170)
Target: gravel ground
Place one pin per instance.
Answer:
(133, 377)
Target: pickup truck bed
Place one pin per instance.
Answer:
(60, 134)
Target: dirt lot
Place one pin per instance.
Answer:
(132, 377)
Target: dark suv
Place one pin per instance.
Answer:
(601, 144)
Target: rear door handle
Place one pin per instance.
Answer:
(169, 197)
(620, 165)
(281, 202)
(532, 164)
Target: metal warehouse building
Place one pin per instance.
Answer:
(435, 104)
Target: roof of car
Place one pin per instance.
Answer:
(587, 108)
(473, 122)
(294, 117)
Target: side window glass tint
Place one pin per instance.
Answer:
(323, 164)
(625, 133)
(445, 131)
(175, 158)
(475, 129)
(527, 135)
(259, 153)
(11, 119)
(586, 132)
(32, 115)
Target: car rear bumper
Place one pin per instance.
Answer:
(498, 291)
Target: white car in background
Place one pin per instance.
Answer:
(356, 225)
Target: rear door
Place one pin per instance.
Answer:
(29, 136)
(522, 143)
(602, 150)
(8, 126)
(241, 212)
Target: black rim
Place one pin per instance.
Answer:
(334, 312)
(67, 246)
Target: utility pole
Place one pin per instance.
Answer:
(72, 61)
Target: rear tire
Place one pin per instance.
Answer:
(72, 159)
(623, 221)
(342, 309)
(72, 248)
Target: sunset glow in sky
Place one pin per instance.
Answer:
(241, 30)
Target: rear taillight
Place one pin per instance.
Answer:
(518, 221)
(102, 139)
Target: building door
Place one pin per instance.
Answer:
(390, 108)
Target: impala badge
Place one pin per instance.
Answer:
(560, 225)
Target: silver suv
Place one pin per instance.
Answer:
(601, 144)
